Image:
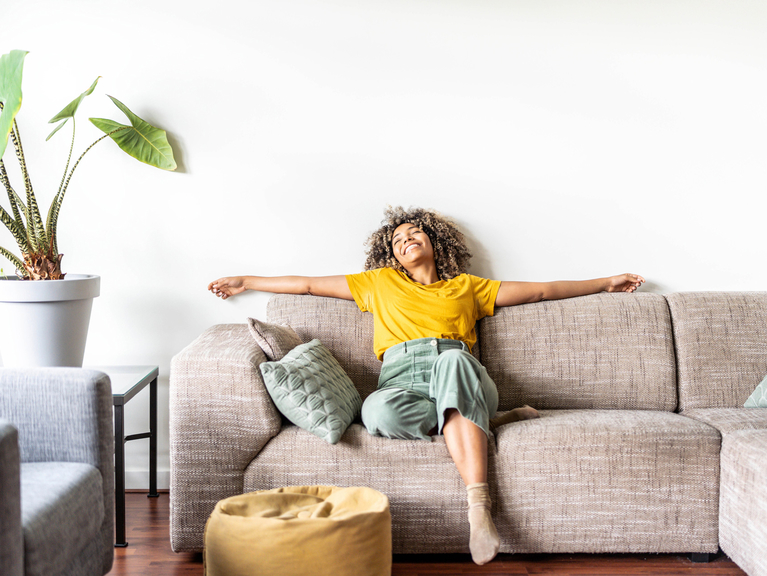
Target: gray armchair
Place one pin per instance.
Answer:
(56, 472)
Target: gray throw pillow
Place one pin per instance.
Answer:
(312, 390)
(275, 340)
(758, 398)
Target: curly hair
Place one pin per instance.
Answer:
(451, 255)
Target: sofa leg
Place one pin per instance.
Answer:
(700, 557)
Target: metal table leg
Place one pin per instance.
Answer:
(119, 478)
(153, 440)
(127, 381)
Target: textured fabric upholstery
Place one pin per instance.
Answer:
(59, 412)
(221, 416)
(611, 351)
(728, 420)
(743, 504)
(721, 345)
(11, 536)
(64, 415)
(610, 467)
(426, 494)
(607, 481)
(275, 340)
(62, 509)
(340, 326)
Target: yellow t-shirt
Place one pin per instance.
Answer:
(405, 310)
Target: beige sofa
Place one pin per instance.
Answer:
(640, 398)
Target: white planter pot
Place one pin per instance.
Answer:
(45, 322)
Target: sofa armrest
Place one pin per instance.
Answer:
(11, 539)
(221, 416)
(65, 415)
(62, 414)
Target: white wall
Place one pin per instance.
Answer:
(570, 140)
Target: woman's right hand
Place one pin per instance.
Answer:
(228, 286)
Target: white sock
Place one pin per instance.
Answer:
(484, 542)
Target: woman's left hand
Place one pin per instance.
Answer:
(624, 283)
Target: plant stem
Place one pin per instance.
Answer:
(53, 243)
(15, 229)
(13, 259)
(56, 207)
(14, 200)
(4, 179)
(69, 158)
(34, 221)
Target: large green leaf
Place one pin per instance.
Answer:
(11, 67)
(141, 140)
(69, 111)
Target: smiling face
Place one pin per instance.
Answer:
(411, 245)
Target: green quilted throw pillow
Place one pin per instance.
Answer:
(759, 398)
(312, 390)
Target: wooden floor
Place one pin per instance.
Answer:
(149, 554)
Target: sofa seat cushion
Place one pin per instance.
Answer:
(742, 505)
(426, 494)
(601, 481)
(728, 420)
(62, 509)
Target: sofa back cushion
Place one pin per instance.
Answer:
(721, 344)
(606, 351)
(339, 325)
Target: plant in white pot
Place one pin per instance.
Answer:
(55, 333)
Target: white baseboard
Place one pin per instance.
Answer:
(139, 479)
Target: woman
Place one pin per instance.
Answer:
(425, 307)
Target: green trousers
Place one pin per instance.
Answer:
(419, 380)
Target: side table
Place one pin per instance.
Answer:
(127, 381)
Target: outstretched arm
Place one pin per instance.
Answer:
(331, 286)
(512, 293)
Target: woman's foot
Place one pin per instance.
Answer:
(484, 542)
(523, 413)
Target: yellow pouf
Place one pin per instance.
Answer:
(303, 530)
